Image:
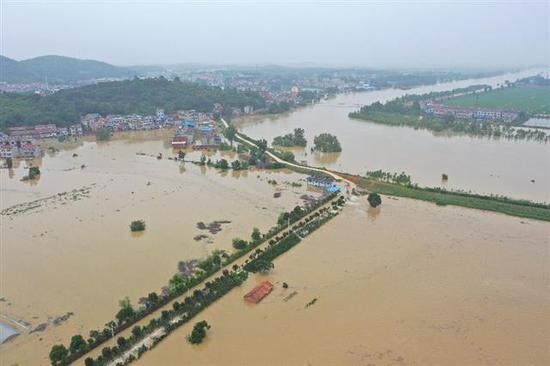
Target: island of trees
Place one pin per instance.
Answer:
(326, 143)
(292, 139)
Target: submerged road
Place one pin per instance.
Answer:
(287, 163)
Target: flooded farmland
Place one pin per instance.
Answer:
(519, 169)
(396, 286)
(67, 259)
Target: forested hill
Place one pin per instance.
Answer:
(58, 70)
(140, 96)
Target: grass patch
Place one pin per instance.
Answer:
(530, 99)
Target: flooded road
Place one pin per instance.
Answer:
(66, 262)
(519, 169)
(399, 286)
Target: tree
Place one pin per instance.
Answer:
(137, 225)
(34, 172)
(9, 163)
(152, 299)
(58, 354)
(222, 164)
(126, 311)
(239, 244)
(230, 132)
(137, 331)
(203, 159)
(444, 177)
(374, 199)
(256, 235)
(327, 143)
(199, 332)
(181, 155)
(77, 344)
(89, 361)
(287, 156)
(121, 341)
(260, 265)
(262, 145)
(236, 165)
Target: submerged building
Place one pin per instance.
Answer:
(328, 184)
(259, 292)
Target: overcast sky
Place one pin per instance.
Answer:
(359, 33)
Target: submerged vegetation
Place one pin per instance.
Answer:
(137, 225)
(199, 332)
(180, 283)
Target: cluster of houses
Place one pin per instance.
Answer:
(196, 134)
(476, 113)
(328, 184)
(18, 147)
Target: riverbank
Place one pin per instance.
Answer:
(508, 206)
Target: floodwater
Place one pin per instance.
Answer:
(519, 169)
(409, 284)
(73, 257)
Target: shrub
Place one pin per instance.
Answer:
(374, 199)
(34, 172)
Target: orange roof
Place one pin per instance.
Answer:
(259, 292)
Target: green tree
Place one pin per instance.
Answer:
(89, 361)
(34, 172)
(327, 143)
(58, 354)
(199, 332)
(236, 165)
(9, 162)
(77, 344)
(126, 311)
(374, 199)
(256, 235)
(239, 244)
(223, 164)
(152, 299)
(260, 265)
(230, 133)
(287, 156)
(262, 145)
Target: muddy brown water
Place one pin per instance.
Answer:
(479, 164)
(395, 286)
(79, 255)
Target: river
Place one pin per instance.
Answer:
(519, 169)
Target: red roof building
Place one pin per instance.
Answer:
(259, 292)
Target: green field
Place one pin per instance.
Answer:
(508, 206)
(530, 99)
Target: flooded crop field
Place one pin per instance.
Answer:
(68, 255)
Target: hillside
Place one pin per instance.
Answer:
(58, 70)
(12, 71)
(140, 96)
